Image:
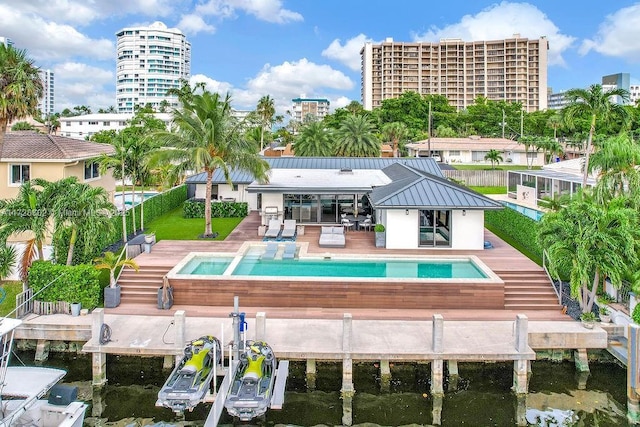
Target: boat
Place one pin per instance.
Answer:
(32, 395)
(251, 389)
(192, 377)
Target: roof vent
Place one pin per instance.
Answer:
(346, 170)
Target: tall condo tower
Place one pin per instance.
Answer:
(46, 104)
(511, 70)
(150, 61)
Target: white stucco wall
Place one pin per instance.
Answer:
(226, 191)
(402, 229)
(272, 200)
(467, 231)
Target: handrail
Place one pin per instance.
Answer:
(558, 292)
(125, 249)
(18, 307)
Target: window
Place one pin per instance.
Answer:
(91, 170)
(454, 152)
(19, 174)
(93, 123)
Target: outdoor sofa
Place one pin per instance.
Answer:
(332, 237)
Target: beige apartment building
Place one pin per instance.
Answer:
(317, 107)
(511, 70)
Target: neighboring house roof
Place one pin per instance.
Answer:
(321, 181)
(415, 189)
(327, 163)
(31, 146)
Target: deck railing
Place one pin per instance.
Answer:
(558, 290)
(125, 251)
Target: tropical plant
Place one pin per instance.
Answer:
(588, 317)
(206, 138)
(594, 103)
(530, 143)
(314, 140)
(395, 132)
(22, 126)
(356, 137)
(20, 86)
(84, 212)
(8, 257)
(616, 163)
(110, 261)
(549, 147)
(266, 111)
(494, 156)
(378, 228)
(589, 242)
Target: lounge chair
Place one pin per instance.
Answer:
(290, 249)
(289, 229)
(274, 229)
(270, 251)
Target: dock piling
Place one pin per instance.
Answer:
(633, 375)
(454, 376)
(385, 376)
(99, 358)
(437, 365)
(261, 326)
(311, 374)
(347, 391)
(521, 367)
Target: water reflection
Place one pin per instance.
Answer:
(481, 397)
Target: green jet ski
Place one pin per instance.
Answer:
(250, 393)
(192, 378)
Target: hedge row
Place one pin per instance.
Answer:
(517, 229)
(194, 208)
(76, 283)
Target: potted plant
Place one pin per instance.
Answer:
(110, 261)
(380, 235)
(605, 316)
(588, 320)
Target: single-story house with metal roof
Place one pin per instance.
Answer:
(418, 206)
(26, 155)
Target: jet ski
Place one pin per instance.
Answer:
(250, 393)
(192, 378)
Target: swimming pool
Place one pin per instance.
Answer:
(206, 265)
(534, 214)
(130, 200)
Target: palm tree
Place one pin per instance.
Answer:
(494, 156)
(118, 163)
(110, 261)
(208, 138)
(395, 132)
(20, 86)
(590, 242)
(315, 140)
(549, 147)
(84, 212)
(266, 110)
(595, 103)
(530, 143)
(356, 137)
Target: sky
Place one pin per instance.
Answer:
(310, 48)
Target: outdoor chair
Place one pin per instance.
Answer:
(274, 229)
(289, 229)
(366, 224)
(290, 249)
(270, 251)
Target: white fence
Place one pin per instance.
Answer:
(479, 178)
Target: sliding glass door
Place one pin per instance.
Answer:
(435, 228)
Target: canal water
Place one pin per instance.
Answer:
(481, 396)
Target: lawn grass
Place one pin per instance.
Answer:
(9, 304)
(173, 226)
(490, 190)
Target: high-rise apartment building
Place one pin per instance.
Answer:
(151, 60)
(46, 103)
(318, 107)
(616, 81)
(511, 70)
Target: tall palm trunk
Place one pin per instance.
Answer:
(124, 209)
(587, 151)
(133, 204)
(395, 147)
(207, 205)
(72, 244)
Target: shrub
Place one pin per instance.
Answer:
(194, 208)
(378, 228)
(76, 283)
(636, 314)
(518, 230)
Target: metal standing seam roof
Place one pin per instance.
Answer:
(419, 190)
(330, 163)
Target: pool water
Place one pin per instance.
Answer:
(534, 214)
(206, 266)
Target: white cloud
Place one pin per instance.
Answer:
(340, 102)
(264, 10)
(349, 53)
(616, 36)
(193, 24)
(82, 84)
(54, 41)
(503, 20)
(84, 12)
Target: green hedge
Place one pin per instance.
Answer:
(516, 229)
(194, 208)
(636, 314)
(76, 283)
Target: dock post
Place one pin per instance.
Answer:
(633, 375)
(98, 359)
(385, 376)
(454, 376)
(437, 369)
(582, 366)
(261, 326)
(311, 374)
(521, 366)
(180, 324)
(42, 350)
(347, 391)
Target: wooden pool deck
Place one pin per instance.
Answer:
(502, 259)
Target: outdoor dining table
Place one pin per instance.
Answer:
(356, 220)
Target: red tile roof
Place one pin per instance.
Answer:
(31, 145)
